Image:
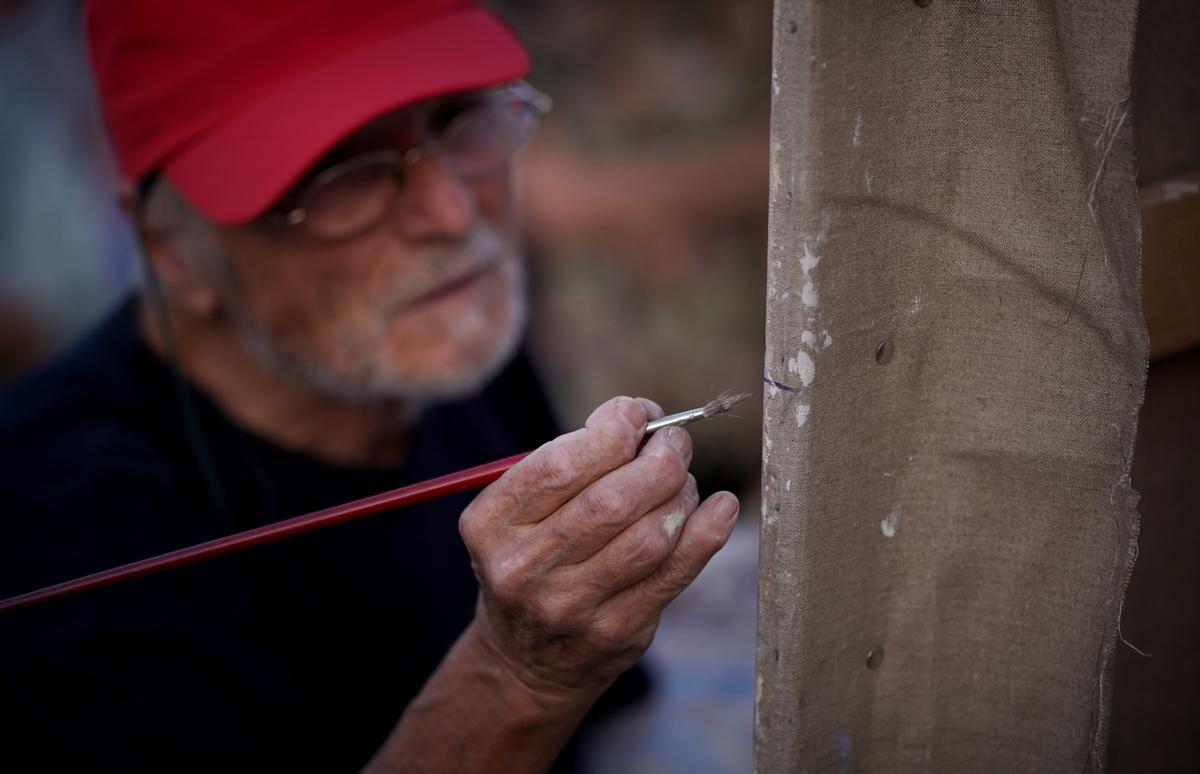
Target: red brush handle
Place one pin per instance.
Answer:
(453, 483)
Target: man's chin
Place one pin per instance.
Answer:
(467, 374)
(471, 352)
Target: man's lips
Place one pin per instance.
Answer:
(450, 288)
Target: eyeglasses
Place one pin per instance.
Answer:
(473, 139)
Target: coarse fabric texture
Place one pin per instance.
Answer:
(955, 359)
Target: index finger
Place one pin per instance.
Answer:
(541, 483)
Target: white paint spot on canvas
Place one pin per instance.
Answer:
(788, 485)
(888, 525)
(915, 307)
(803, 366)
(808, 294)
(775, 82)
(858, 131)
(811, 247)
(801, 415)
(808, 339)
(810, 259)
(672, 521)
(828, 339)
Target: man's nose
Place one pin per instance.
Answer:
(435, 203)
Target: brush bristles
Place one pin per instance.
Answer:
(725, 402)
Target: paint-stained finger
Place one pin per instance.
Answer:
(606, 508)
(559, 470)
(704, 533)
(637, 551)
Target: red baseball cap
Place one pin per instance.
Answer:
(233, 99)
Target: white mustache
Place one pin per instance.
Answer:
(482, 248)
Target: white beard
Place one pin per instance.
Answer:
(367, 379)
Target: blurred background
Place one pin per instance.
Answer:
(645, 217)
(645, 200)
(645, 197)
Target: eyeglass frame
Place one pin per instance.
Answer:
(401, 161)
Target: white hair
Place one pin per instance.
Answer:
(199, 246)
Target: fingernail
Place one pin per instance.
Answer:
(632, 411)
(675, 438)
(728, 507)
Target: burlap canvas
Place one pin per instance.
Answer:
(955, 359)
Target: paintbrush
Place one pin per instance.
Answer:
(453, 483)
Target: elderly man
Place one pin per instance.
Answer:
(333, 306)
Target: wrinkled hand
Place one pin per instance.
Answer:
(579, 547)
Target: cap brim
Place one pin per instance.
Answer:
(244, 163)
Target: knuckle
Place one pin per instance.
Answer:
(502, 588)
(503, 501)
(608, 634)
(488, 512)
(651, 547)
(605, 505)
(508, 580)
(554, 613)
(558, 469)
(643, 640)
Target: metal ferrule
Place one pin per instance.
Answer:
(682, 418)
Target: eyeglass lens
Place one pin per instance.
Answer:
(480, 142)
(476, 143)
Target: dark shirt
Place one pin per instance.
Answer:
(299, 655)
